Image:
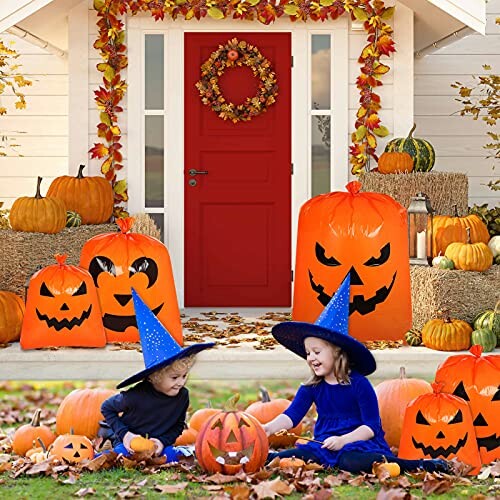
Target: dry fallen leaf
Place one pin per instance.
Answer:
(238, 492)
(436, 485)
(171, 488)
(219, 478)
(83, 492)
(393, 494)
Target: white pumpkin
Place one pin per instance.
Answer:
(494, 245)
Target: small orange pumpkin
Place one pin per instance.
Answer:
(470, 256)
(11, 316)
(187, 438)
(199, 417)
(141, 444)
(72, 448)
(447, 334)
(291, 463)
(232, 55)
(29, 435)
(395, 162)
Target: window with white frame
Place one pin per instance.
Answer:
(320, 113)
(154, 117)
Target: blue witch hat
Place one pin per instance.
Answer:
(159, 348)
(332, 326)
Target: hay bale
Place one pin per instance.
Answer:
(445, 189)
(463, 293)
(21, 253)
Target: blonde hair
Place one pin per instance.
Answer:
(179, 365)
(341, 367)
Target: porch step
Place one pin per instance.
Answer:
(221, 363)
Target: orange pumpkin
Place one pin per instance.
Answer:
(393, 398)
(141, 444)
(470, 256)
(230, 442)
(365, 235)
(265, 410)
(446, 334)
(395, 162)
(11, 317)
(91, 197)
(449, 229)
(199, 417)
(27, 436)
(187, 438)
(476, 379)
(439, 425)
(291, 463)
(80, 410)
(62, 309)
(121, 261)
(72, 448)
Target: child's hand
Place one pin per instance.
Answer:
(158, 446)
(127, 439)
(334, 443)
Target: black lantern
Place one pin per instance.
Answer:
(420, 230)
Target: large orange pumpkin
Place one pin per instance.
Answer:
(72, 448)
(121, 261)
(11, 317)
(267, 409)
(91, 197)
(393, 398)
(27, 436)
(80, 410)
(365, 235)
(476, 379)
(439, 425)
(230, 442)
(62, 309)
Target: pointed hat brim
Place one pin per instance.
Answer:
(292, 334)
(183, 353)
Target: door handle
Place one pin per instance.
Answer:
(193, 172)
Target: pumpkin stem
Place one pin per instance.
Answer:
(476, 350)
(411, 131)
(437, 387)
(35, 419)
(402, 372)
(38, 196)
(468, 235)
(125, 224)
(455, 210)
(354, 187)
(42, 444)
(231, 402)
(264, 395)
(495, 311)
(80, 172)
(71, 431)
(61, 258)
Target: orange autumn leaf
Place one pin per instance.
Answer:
(99, 150)
(373, 121)
(385, 45)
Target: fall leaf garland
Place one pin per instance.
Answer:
(237, 53)
(111, 45)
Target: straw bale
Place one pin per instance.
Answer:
(22, 253)
(463, 293)
(145, 224)
(445, 189)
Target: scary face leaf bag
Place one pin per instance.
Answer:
(364, 235)
(121, 261)
(476, 379)
(439, 425)
(62, 309)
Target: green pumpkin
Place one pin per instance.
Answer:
(420, 150)
(488, 319)
(413, 337)
(485, 338)
(73, 219)
(442, 262)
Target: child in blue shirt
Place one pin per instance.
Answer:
(348, 426)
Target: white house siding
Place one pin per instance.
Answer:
(41, 129)
(458, 140)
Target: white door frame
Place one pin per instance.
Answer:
(138, 26)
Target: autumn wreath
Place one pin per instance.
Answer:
(237, 53)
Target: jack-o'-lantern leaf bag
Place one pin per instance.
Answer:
(62, 309)
(121, 261)
(439, 425)
(364, 235)
(476, 379)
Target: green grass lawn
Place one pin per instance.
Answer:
(19, 400)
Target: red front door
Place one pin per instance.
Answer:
(238, 215)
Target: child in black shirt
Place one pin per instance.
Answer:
(156, 407)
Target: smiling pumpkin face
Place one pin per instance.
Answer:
(121, 261)
(62, 309)
(365, 235)
(231, 442)
(439, 425)
(476, 379)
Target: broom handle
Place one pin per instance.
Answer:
(300, 437)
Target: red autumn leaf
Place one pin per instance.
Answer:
(373, 121)
(385, 45)
(98, 151)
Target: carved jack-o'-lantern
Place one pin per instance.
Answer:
(439, 425)
(62, 309)
(230, 442)
(476, 379)
(72, 448)
(365, 235)
(121, 261)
